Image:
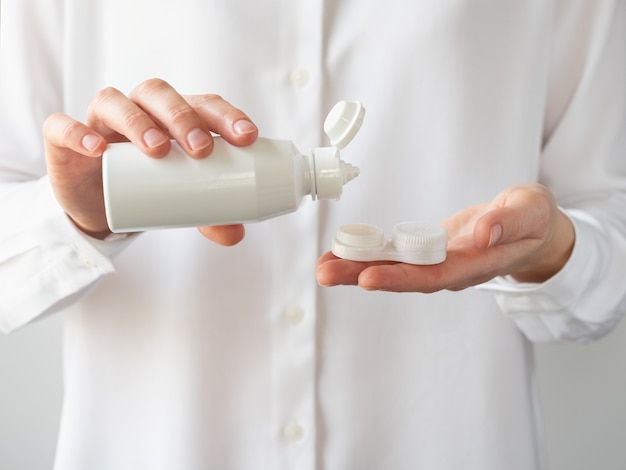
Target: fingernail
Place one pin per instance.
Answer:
(494, 235)
(243, 126)
(154, 138)
(90, 142)
(198, 139)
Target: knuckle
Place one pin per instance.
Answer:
(149, 86)
(437, 280)
(71, 130)
(51, 122)
(106, 94)
(102, 98)
(218, 106)
(181, 113)
(60, 129)
(132, 118)
(209, 100)
(233, 114)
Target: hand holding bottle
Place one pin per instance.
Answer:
(149, 117)
(236, 185)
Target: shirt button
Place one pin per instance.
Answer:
(293, 432)
(299, 77)
(87, 261)
(294, 315)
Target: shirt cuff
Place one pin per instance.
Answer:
(48, 263)
(545, 311)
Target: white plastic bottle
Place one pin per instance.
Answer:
(233, 185)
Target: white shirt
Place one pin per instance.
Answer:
(180, 354)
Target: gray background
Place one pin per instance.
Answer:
(583, 390)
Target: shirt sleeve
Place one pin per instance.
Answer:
(583, 162)
(45, 262)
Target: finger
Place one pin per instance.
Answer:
(396, 277)
(338, 272)
(461, 270)
(402, 278)
(166, 106)
(328, 256)
(71, 150)
(61, 131)
(226, 235)
(224, 119)
(114, 115)
(333, 271)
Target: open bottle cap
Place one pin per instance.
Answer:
(330, 173)
(343, 122)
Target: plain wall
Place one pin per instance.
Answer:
(582, 387)
(583, 392)
(30, 395)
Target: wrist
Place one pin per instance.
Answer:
(558, 249)
(97, 234)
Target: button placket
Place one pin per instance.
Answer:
(299, 106)
(299, 116)
(294, 384)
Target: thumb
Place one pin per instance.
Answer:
(523, 215)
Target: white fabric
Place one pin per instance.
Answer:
(180, 354)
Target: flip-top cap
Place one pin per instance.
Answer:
(343, 122)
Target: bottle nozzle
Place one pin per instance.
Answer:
(349, 171)
(331, 173)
